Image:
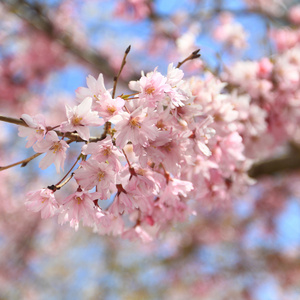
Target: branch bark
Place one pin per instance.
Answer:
(287, 162)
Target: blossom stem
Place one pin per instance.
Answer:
(65, 182)
(13, 121)
(121, 68)
(126, 97)
(23, 162)
(131, 169)
(194, 55)
(126, 158)
(71, 135)
(167, 174)
(78, 158)
(107, 128)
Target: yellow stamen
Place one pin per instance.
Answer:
(149, 90)
(44, 199)
(79, 200)
(56, 147)
(168, 147)
(101, 175)
(106, 151)
(111, 109)
(76, 120)
(135, 122)
(40, 131)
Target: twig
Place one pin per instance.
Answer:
(131, 169)
(107, 125)
(57, 187)
(116, 78)
(13, 121)
(73, 166)
(194, 55)
(73, 136)
(24, 162)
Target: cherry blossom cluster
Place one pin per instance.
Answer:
(273, 86)
(170, 147)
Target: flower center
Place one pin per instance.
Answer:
(150, 90)
(135, 122)
(106, 151)
(76, 120)
(96, 98)
(78, 199)
(44, 199)
(101, 175)
(111, 109)
(160, 125)
(168, 147)
(40, 131)
(56, 147)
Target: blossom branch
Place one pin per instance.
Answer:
(73, 136)
(107, 125)
(23, 162)
(58, 186)
(195, 54)
(13, 121)
(116, 78)
(287, 162)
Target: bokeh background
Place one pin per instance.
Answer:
(247, 250)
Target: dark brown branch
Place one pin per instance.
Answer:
(13, 121)
(193, 55)
(284, 163)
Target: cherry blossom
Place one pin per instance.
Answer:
(80, 117)
(42, 200)
(99, 174)
(137, 127)
(79, 206)
(35, 131)
(55, 151)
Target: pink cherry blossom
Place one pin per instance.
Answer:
(36, 130)
(230, 32)
(108, 107)
(55, 151)
(96, 89)
(42, 200)
(137, 127)
(108, 223)
(294, 14)
(100, 174)
(104, 151)
(151, 87)
(133, 9)
(80, 117)
(79, 207)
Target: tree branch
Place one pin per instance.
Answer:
(73, 136)
(285, 163)
(24, 162)
(35, 17)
